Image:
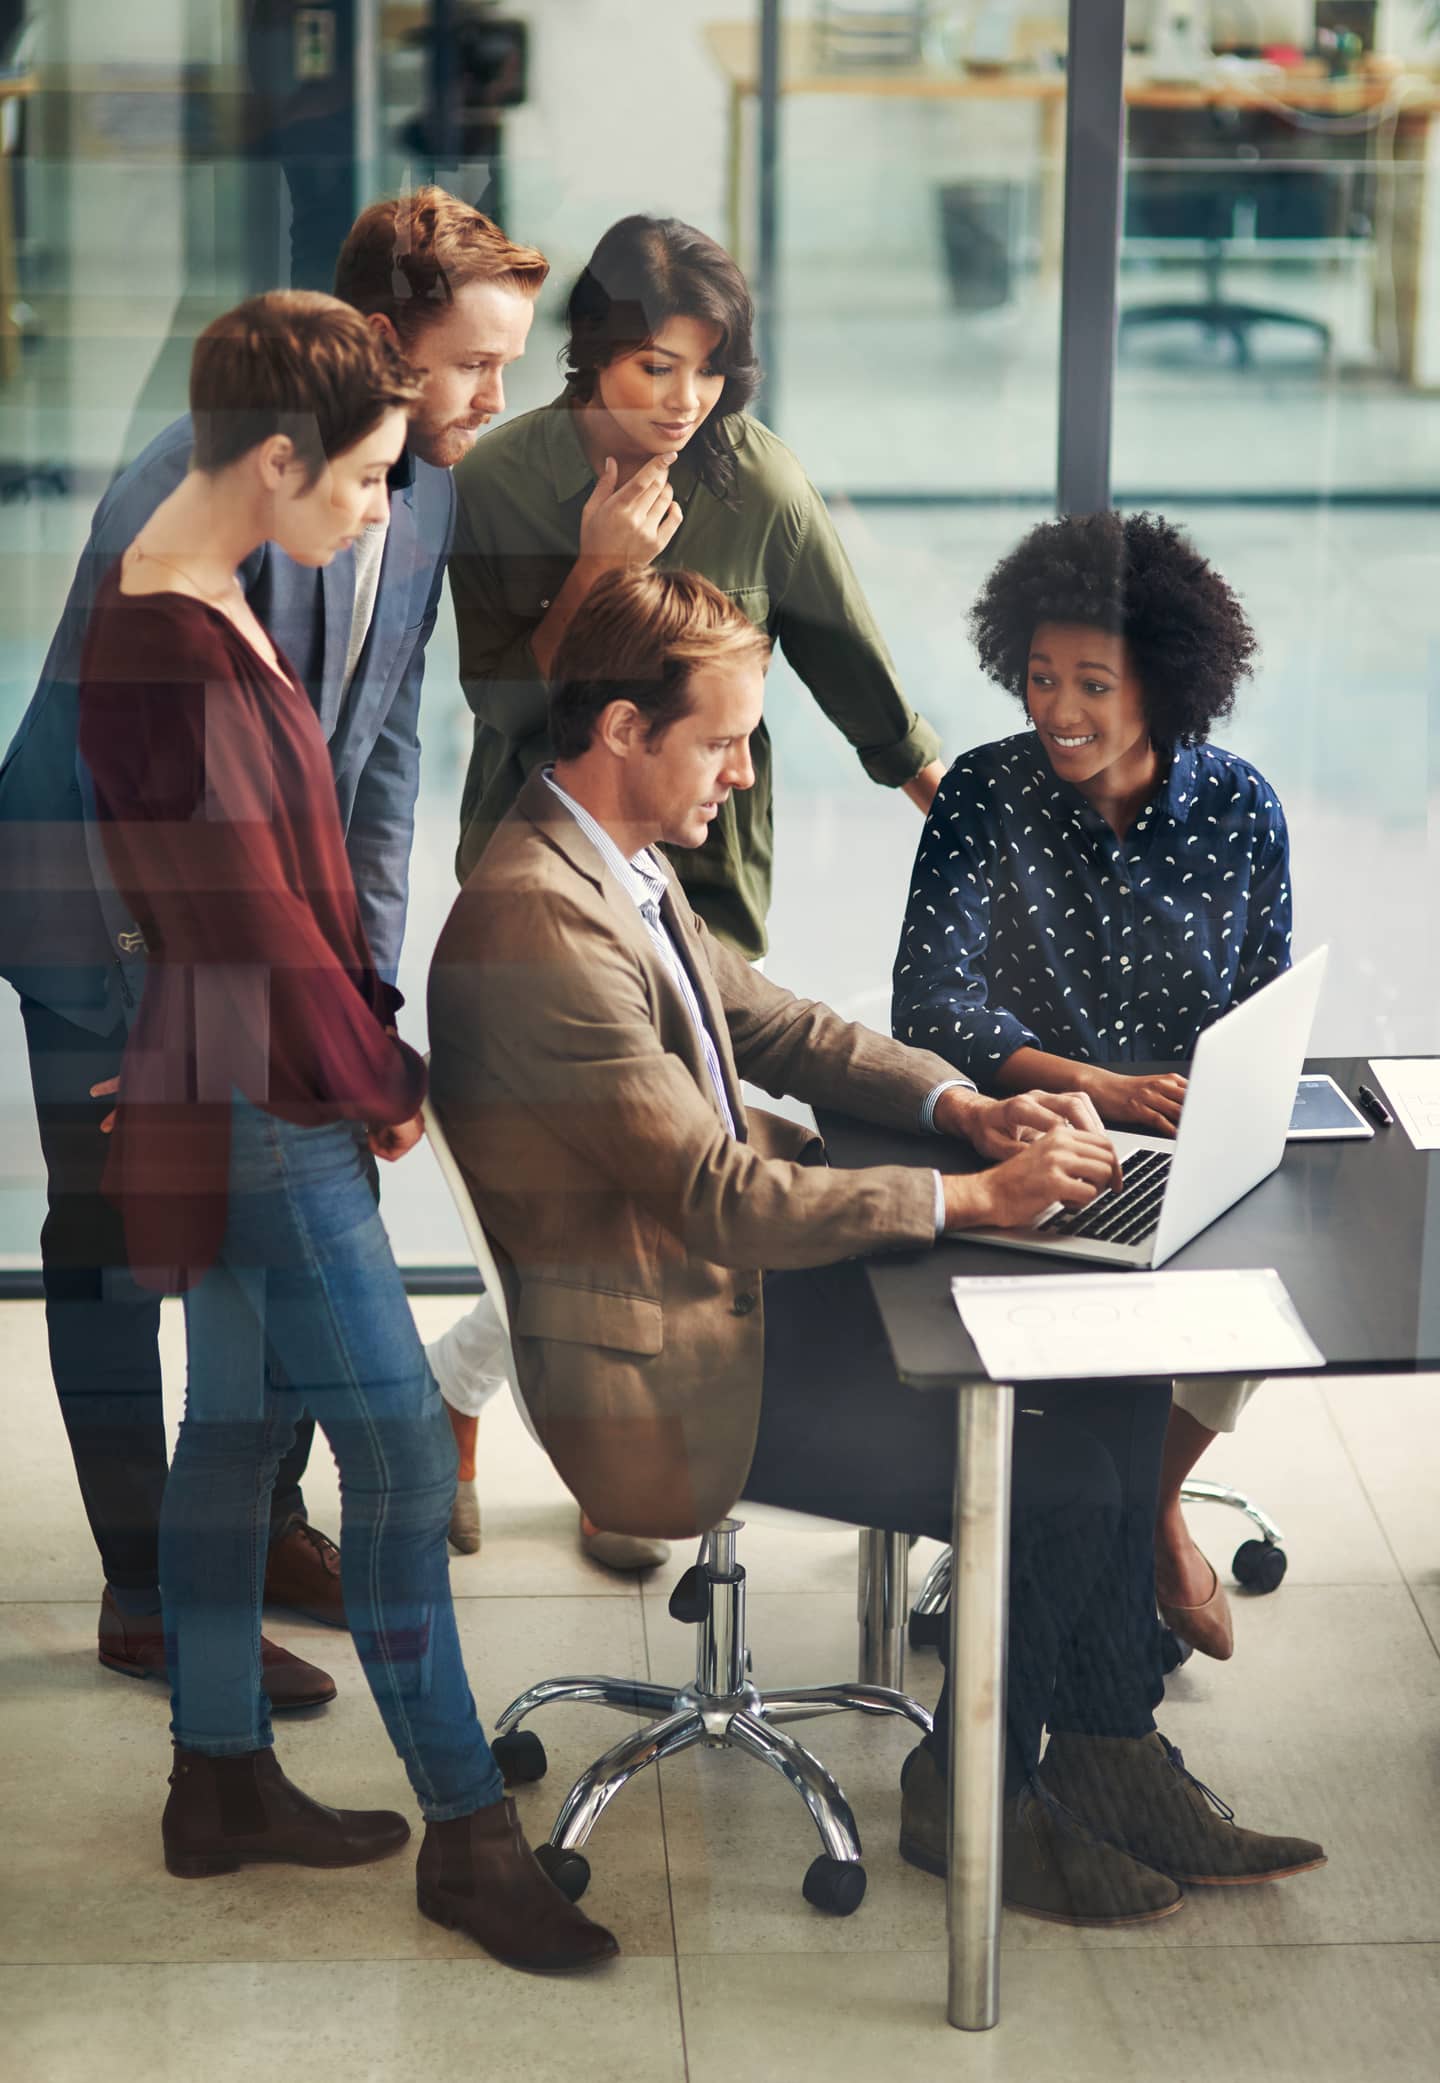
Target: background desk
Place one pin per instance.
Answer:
(1408, 271)
(1353, 1230)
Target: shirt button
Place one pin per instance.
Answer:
(742, 1305)
(544, 603)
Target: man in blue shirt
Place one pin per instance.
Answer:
(1101, 888)
(458, 298)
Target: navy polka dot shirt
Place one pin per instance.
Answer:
(1031, 925)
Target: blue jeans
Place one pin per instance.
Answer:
(103, 1327)
(305, 1311)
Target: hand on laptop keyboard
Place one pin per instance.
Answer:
(1072, 1165)
(1126, 1217)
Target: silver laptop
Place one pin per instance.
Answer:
(1232, 1135)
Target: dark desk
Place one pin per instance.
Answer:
(1353, 1229)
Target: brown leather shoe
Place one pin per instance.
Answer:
(137, 1647)
(478, 1875)
(302, 1573)
(1134, 1792)
(224, 1813)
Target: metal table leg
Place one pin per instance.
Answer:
(979, 1610)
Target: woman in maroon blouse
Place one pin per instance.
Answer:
(262, 1062)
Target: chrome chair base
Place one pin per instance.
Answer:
(720, 1708)
(1258, 1564)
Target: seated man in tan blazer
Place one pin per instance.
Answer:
(689, 1323)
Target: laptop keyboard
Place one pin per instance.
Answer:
(1126, 1217)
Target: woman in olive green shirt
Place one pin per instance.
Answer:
(649, 456)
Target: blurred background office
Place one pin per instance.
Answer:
(895, 181)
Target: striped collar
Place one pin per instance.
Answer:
(642, 878)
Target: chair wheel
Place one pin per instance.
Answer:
(570, 1871)
(1259, 1565)
(520, 1756)
(927, 1630)
(1173, 1652)
(835, 1885)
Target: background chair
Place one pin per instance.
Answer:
(720, 1707)
(1213, 177)
(1258, 1566)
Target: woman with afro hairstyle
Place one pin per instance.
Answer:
(1102, 886)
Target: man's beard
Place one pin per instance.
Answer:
(447, 446)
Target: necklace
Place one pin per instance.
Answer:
(211, 599)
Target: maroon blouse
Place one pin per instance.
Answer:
(217, 803)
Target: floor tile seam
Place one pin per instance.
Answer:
(320, 1960)
(1131, 1947)
(647, 1593)
(1384, 1531)
(330, 1633)
(788, 1953)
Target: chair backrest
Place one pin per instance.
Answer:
(474, 1229)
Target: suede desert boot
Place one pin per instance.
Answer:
(1054, 1868)
(478, 1875)
(1134, 1792)
(229, 1812)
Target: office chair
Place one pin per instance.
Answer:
(1202, 202)
(720, 1707)
(1258, 1566)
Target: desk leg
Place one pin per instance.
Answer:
(9, 282)
(735, 174)
(979, 1611)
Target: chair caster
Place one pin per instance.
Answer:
(1259, 1565)
(521, 1757)
(835, 1885)
(1173, 1652)
(570, 1871)
(927, 1630)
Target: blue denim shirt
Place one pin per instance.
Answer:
(1030, 924)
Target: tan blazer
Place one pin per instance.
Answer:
(633, 1229)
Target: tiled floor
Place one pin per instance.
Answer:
(1327, 1721)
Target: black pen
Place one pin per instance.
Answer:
(1375, 1107)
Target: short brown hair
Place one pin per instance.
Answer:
(297, 363)
(637, 637)
(407, 255)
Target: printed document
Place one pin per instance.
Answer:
(1412, 1086)
(1098, 1324)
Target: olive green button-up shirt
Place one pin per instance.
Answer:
(775, 553)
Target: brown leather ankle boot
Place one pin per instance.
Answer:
(478, 1875)
(227, 1812)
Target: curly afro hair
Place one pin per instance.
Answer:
(1138, 577)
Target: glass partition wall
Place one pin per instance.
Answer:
(1278, 390)
(894, 179)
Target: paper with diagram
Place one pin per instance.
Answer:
(1107, 1324)
(1412, 1086)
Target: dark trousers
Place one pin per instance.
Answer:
(842, 1437)
(103, 1328)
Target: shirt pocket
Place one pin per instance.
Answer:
(752, 601)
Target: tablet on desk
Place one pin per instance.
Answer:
(1323, 1114)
